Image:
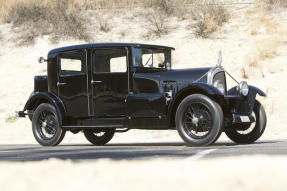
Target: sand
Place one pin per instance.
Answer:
(228, 174)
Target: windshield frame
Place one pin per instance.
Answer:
(137, 57)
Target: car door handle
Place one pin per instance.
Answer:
(61, 84)
(96, 82)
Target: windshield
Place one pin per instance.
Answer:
(151, 58)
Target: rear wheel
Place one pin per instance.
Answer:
(251, 132)
(46, 125)
(199, 120)
(99, 137)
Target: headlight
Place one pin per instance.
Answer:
(243, 88)
(219, 85)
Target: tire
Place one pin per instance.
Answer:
(94, 137)
(249, 135)
(198, 113)
(221, 117)
(46, 125)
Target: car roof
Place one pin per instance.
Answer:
(105, 45)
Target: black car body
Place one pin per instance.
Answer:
(114, 87)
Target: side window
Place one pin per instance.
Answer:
(72, 63)
(110, 60)
(118, 64)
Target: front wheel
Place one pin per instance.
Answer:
(99, 137)
(199, 120)
(46, 125)
(251, 132)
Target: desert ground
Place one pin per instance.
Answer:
(253, 43)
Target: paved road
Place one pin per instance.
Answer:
(138, 151)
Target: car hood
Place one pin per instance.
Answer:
(185, 75)
(152, 81)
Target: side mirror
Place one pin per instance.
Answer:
(41, 60)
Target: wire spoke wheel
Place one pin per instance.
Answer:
(249, 133)
(197, 120)
(99, 136)
(249, 128)
(47, 125)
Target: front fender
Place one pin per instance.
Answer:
(37, 98)
(243, 104)
(254, 91)
(201, 88)
(257, 90)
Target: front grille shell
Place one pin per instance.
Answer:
(217, 74)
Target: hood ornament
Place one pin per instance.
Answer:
(219, 60)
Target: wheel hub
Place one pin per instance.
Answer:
(195, 120)
(44, 124)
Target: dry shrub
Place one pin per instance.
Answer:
(208, 17)
(267, 48)
(268, 24)
(253, 63)
(264, 49)
(157, 24)
(167, 6)
(55, 18)
(244, 73)
(253, 32)
(11, 119)
(103, 24)
(271, 4)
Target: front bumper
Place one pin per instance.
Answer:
(21, 114)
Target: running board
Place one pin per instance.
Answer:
(93, 123)
(67, 127)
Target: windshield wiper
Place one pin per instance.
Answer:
(148, 61)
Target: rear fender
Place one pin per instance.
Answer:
(200, 88)
(36, 98)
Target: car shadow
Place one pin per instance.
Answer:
(116, 151)
(168, 144)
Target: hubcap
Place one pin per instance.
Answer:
(195, 120)
(44, 124)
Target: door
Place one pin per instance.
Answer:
(72, 82)
(109, 82)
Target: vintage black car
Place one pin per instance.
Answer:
(103, 88)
